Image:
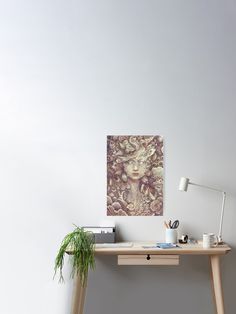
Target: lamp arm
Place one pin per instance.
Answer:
(221, 217)
(206, 187)
(219, 238)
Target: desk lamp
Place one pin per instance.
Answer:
(183, 186)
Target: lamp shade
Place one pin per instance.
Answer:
(183, 184)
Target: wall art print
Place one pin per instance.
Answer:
(134, 176)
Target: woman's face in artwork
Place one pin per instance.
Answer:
(135, 168)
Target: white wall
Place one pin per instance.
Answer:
(72, 72)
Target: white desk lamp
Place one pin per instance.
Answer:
(183, 186)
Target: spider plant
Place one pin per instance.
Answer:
(79, 244)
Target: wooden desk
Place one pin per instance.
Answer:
(137, 255)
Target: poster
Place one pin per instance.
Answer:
(134, 175)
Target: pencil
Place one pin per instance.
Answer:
(166, 225)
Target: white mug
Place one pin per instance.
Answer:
(209, 240)
(171, 235)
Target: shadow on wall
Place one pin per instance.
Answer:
(140, 289)
(228, 265)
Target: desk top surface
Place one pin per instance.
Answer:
(146, 248)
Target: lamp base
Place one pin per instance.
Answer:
(220, 240)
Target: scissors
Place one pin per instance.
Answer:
(174, 225)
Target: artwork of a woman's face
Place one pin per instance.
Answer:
(135, 169)
(134, 175)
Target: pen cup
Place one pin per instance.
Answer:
(171, 235)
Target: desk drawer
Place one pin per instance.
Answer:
(148, 259)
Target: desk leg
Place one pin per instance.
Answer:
(78, 296)
(216, 284)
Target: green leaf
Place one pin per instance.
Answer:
(82, 259)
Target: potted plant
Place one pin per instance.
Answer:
(79, 244)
